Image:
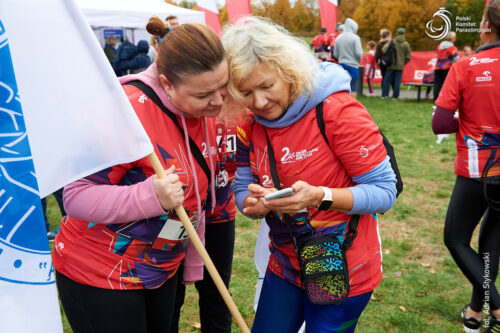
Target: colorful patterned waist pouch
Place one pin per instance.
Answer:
(322, 260)
(323, 268)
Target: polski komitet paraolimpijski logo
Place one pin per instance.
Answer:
(440, 25)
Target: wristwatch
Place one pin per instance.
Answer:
(327, 201)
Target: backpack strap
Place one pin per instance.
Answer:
(388, 147)
(321, 121)
(352, 231)
(198, 155)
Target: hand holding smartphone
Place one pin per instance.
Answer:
(286, 192)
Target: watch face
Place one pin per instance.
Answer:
(325, 205)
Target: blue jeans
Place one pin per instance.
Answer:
(283, 307)
(392, 78)
(354, 73)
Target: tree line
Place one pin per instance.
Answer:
(302, 17)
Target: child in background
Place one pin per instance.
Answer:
(467, 51)
(369, 63)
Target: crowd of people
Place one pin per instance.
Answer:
(241, 118)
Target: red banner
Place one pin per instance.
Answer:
(209, 7)
(237, 9)
(414, 70)
(328, 14)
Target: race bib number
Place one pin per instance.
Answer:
(230, 145)
(174, 230)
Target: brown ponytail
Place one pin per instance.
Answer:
(492, 14)
(190, 48)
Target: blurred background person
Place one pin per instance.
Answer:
(318, 43)
(154, 43)
(172, 21)
(467, 51)
(446, 54)
(369, 66)
(400, 57)
(385, 36)
(110, 48)
(348, 52)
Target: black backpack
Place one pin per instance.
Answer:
(387, 58)
(387, 145)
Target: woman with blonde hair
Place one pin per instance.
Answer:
(338, 180)
(120, 248)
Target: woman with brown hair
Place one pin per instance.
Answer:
(385, 36)
(119, 250)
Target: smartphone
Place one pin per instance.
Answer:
(286, 192)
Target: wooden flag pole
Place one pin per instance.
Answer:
(181, 213)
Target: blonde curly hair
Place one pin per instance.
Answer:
(256, 40)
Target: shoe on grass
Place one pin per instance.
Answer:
(471, 324)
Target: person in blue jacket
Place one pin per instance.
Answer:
(131, 59)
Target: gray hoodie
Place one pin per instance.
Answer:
(348, 50)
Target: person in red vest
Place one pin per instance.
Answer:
(119, 250)
(473, 87)
(335, 179)
(447, 54)
(318, 43)
(368, 62)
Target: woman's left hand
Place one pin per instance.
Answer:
(304, 196)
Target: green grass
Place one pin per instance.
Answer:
(422, 289)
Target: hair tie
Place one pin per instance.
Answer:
(165, 32)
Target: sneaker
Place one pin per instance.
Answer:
(471, 324)
(53, 234)
(494, 325)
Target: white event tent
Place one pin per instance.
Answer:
(131, 16)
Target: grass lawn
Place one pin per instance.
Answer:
(422, 289)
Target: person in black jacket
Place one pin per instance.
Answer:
(385, 36)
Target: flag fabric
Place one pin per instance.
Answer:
(328, 14)
(237, 9)
(78, 117)
(260, 259)
(209, 7)
(63, 116)
(27, 285)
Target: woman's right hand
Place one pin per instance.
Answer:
(169, 189)
(253, 205)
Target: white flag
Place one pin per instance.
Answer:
(78, 118)
(64, 115)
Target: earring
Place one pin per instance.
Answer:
(169, 98)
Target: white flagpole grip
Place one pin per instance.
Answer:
(181, 213)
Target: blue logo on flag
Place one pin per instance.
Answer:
(24, 249)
